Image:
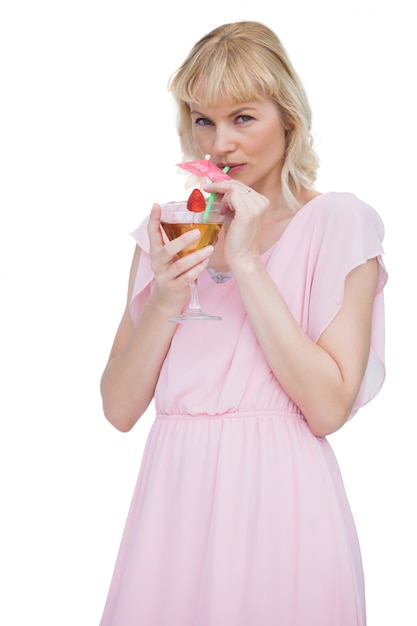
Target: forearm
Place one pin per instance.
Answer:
(129, 379)
(309, 374)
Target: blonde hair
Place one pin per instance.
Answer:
(241, 62)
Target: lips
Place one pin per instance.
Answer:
(232, 166)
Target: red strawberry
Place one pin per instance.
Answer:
(196, 202)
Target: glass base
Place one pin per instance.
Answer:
(194, 314)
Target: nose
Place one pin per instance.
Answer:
(224, 140)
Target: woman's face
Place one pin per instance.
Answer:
(249, 137)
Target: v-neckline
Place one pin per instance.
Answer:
(301, 210)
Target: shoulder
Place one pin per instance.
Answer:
(337, 210)
(343, 203)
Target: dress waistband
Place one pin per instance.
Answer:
(230, 415)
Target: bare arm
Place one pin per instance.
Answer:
(138, 352)
(322, 378)
(129, 379)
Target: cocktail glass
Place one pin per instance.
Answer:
(175, 221)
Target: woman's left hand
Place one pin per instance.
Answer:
(245, 212)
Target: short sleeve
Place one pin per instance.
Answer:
(144, 275)
(348, 233)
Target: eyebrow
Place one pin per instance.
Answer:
(232, 114)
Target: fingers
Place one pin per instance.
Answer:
(174, 273)
(183, 241)
(187, 262)
(238, 197)
(228, 187)
(173, 277)
(157, 240)
(183, 273)
(154, 230)
(166, 264)
(187, 267)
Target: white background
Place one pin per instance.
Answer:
(87, 144)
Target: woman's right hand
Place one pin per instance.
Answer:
(173, 274)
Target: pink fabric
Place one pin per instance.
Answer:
(240, 517)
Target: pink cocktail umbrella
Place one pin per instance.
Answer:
(204, 168)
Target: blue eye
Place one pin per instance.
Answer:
(203, 121)
(244, 118)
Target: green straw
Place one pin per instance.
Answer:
(211, 198)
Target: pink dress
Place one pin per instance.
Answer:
(239, 516)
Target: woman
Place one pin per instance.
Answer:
(240, 517)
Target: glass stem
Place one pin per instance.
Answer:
(194, 303)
